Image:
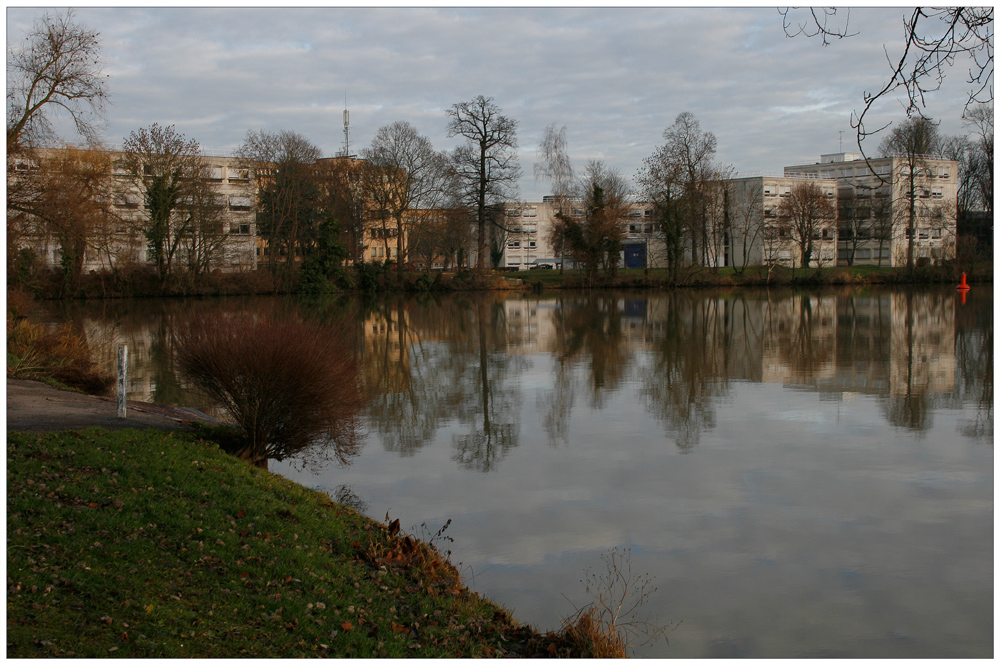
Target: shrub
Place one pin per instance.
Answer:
(61, 355)
(285, 384)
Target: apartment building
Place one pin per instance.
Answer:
(530, 233)
(226, 241)
(890, 206)
(754, 233)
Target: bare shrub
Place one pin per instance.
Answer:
(611, 625)
(61, 354)
(285, 384)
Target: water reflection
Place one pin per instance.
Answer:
(462, 363)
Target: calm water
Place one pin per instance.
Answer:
(802, 474)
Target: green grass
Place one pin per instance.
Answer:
(142, 544)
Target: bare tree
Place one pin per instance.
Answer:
(980, 118)
(913, 141)
(343, 199)
(719, 211)
(75, 197)
(596, 240)
(56, 68)
(554, 165)
(405, 175)
(933, 39)
(806, 213)
(288, 195)
(747, 223)
(168, 169)
(486, 165)
(675, 179)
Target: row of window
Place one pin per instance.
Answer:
(241, 203)
(863, 254)
(516, 244)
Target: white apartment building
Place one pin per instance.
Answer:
(753, 235)
(530, 228)
(121, 240)
(874, 206)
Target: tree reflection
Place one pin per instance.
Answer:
(492, 416)
(922, 333)
(591, 328)
(689, 367)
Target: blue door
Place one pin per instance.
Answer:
(635, 255)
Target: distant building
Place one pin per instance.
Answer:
(753, 235)
(874, 207)
(529, 235)
(120, 239)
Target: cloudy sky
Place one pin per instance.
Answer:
(616, 78)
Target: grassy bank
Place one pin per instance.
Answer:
(381, 279)
(143, 544)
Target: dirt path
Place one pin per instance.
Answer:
(33, 406)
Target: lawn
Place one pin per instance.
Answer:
(142, 544)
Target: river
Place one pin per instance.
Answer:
(797, 473)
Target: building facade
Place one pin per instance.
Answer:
(756, 234)
(891, 207)
(224, 238)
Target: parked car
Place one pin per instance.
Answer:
(541, 266)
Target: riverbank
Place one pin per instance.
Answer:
(152, 544)
(260, 282)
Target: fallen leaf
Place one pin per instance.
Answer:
(346, 626)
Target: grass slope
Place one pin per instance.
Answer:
(144, 544)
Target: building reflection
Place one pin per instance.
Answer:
(459, 362)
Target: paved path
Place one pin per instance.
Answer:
(33, 406)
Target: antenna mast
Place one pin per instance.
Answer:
(347, 131)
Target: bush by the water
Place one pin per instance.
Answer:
(284, 383)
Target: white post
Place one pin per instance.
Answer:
(122, 375)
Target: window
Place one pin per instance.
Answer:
(770, 190)
(784, 190)
(577, 212)
(215, 173)
(514, 260)
(863, 254)
(239, 174)
(937, 193)
(239, 202)
(634, 213)
(648, 228)
(130, 201)
(532, 244)
(937, 233)
(648, 212)
(634, 228)
(514, 212)
(530, 228)
(943, 174)
(514, 244)
(531, 212)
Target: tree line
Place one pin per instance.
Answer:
(403, 198)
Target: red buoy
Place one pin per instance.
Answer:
(963, 286)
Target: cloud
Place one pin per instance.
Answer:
(615, 77)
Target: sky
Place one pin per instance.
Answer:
(615, 78)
